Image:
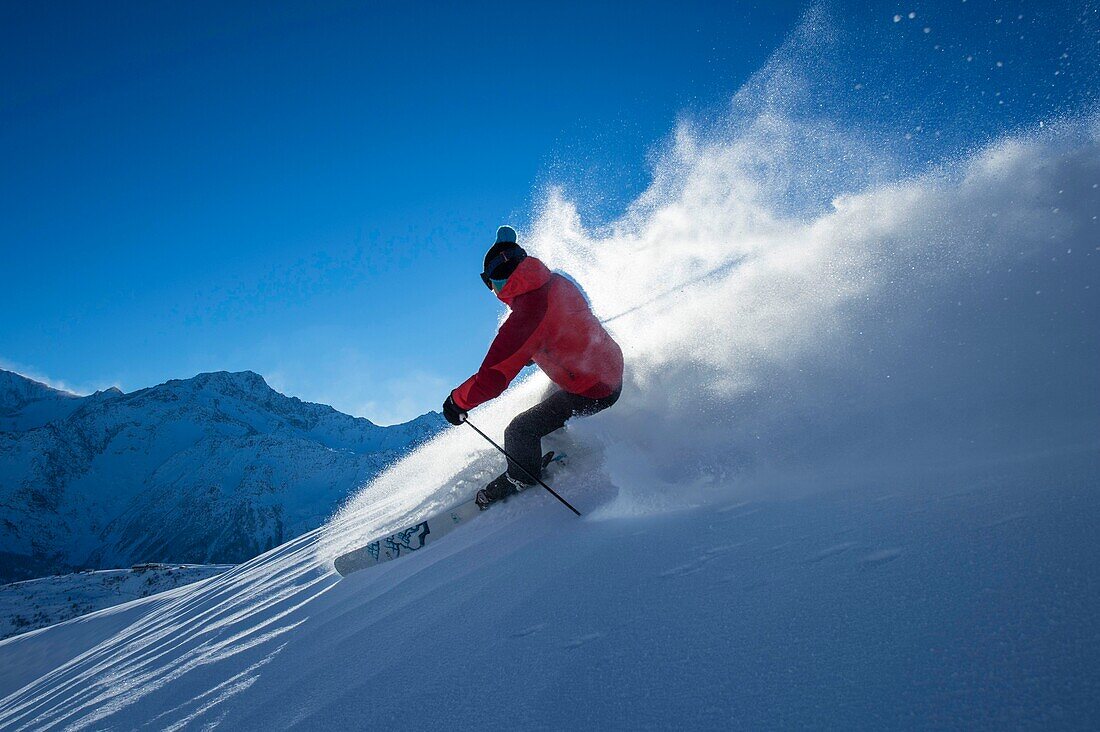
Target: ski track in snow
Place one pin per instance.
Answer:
(696, 565)
(529, 631)
(583, 640)
(831, 551)
(882, 556)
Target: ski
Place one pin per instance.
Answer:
(416, 537)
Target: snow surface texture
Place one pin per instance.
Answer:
(216, 468)
(851, 482)
(33, 604)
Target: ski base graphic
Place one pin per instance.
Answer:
(412, 538)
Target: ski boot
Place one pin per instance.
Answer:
(498, 489)
(504, 486)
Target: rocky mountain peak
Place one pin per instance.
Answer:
(214, 468)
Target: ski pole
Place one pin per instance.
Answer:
(512, 460)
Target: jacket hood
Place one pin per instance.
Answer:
(531, 274)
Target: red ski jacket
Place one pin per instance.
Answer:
(552, 325)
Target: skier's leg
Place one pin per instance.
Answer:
(585, 407)
(523, 437)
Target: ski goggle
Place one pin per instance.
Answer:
(508, 255)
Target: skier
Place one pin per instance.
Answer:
(551, 326)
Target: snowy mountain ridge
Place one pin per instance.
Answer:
(37, 603)
(212, 469)
(26, 403)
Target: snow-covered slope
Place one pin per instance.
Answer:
(216, 468)
(914, 603)
(937, 569)
(33, 604)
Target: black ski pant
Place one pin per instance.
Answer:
(523, 437)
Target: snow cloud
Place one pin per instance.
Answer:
(909, 317)
(948, 316)
(798, 305)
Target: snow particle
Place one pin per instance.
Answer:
(912, 15)
(897, 18)
(927, 29)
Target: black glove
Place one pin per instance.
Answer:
(452, 413)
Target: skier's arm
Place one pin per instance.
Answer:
(512, 349)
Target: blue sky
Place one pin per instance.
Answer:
(308, 193)
(307, 190)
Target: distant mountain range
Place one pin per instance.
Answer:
(213, 469)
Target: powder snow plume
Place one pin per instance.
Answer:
(799, 296)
